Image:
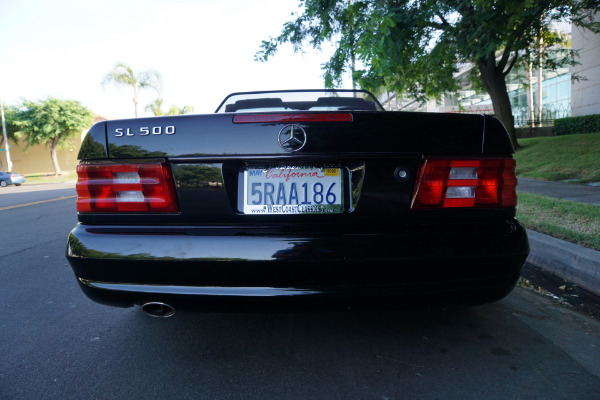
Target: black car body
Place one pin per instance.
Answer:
(297, 199)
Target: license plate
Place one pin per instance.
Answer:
(296, 190)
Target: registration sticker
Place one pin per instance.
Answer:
(295, 190)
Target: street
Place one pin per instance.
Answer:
(57, 344)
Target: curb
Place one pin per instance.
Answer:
(569, 261)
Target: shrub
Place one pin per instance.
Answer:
(576, 125)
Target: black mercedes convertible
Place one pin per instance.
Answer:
(288, 200)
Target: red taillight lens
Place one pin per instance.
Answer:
(284, 118)
(445, 183)
(143, 187)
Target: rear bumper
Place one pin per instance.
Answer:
(237, 269)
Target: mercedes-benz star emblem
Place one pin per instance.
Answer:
(292, 138)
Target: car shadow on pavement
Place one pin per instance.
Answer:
(427, 353)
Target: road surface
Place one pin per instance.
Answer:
(57, 344)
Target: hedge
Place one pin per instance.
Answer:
(576, 125)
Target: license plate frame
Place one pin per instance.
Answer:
(294, 190)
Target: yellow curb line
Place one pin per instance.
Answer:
(37, 202)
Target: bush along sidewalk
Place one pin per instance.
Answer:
(577, 125)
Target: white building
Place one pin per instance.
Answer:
(585, 94)
(561, 96)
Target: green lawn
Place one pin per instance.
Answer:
(49, 178)
(574, 222)
(573, 158)
(570, 158)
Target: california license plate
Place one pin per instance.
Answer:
(296, 190)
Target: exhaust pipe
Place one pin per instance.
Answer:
(156, 309)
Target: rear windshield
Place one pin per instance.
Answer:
(300, 100)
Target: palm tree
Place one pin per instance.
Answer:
(156, 108)
(174, 110)
(123, 75)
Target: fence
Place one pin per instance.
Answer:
(522, 115)
(550, 112)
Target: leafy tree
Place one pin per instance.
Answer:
(123, 75)
(325, 21)
(415, 47)
(156, 108)
(52, 122)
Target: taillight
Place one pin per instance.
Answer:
(141, 187)
(445, 183)
(285, 118)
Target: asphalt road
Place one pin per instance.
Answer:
(57, 344)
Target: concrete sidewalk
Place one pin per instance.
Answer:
(563, 191)
(571, 262)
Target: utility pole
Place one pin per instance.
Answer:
(8, 161)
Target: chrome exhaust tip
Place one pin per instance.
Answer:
(159, 310)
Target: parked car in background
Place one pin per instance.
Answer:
(11, 178)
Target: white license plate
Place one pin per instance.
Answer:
(293, 191)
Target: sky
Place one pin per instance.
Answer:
(203, 50)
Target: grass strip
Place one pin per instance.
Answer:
(574, 222)
(571, 157)
(50, 178)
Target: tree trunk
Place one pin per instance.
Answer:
(495, 83)
(135, 105)
(57, 170)
(135, 100)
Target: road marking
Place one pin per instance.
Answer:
(37, 202)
